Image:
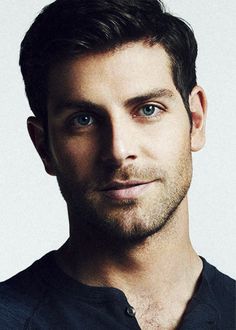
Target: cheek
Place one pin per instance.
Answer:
(166, 143)
(75, 156)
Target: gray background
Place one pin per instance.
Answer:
(33, 214)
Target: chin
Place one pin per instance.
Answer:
(130, 226)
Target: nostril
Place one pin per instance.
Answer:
(113, 163)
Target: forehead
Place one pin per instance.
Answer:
(131, 69)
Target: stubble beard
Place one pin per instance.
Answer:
(129, 221)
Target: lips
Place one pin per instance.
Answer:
(126, 190)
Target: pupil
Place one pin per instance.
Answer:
(149, 110)
(84, 120)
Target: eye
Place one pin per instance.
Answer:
(150, 110)
(82, 120)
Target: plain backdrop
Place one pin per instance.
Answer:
(33, 214)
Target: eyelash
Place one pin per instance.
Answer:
(155, 107)
(81, 115)
(157, 111)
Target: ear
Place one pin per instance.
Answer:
(38, 137)
(198, 108)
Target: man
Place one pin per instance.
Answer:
(118, 112)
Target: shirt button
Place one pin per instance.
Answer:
(130, 311)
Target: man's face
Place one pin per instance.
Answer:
(119, 139)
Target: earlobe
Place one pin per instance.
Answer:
(38, 137)
(198, 108)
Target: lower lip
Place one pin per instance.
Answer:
(128, 193)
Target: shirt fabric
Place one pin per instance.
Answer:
(44, 297)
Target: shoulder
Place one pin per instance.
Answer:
(222, 285)
(20, 296)
(222, 293)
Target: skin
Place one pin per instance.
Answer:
(101, 133)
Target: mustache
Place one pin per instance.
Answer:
(69, 186)
(131, 172)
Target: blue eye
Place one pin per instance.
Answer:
(82, 120)
(149, 110)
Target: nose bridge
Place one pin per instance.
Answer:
(121, 144)
(120, 140)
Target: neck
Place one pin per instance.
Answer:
(157, 263)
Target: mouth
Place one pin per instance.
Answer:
(126, 190)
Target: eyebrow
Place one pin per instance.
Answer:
(88, 105)
(77, 104)
(153, 94)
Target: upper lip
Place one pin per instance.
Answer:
(115, 185)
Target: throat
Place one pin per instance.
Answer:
(159, 289)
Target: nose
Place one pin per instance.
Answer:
(120, 146)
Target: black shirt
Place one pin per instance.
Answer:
(43, 297)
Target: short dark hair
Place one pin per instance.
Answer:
(68, 28)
